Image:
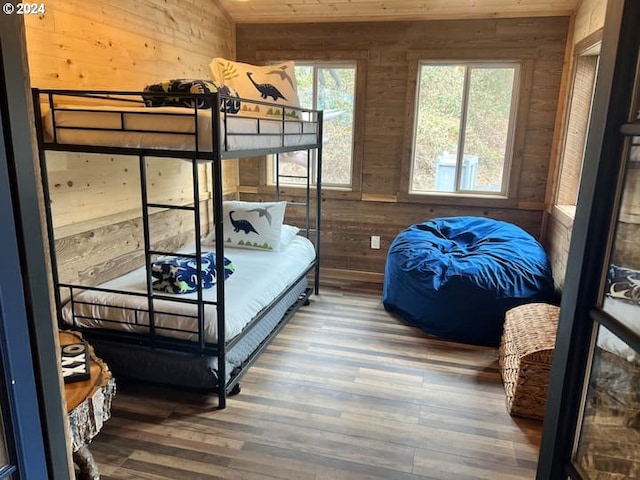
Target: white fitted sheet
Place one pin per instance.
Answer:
(171, 128)
(258, 279)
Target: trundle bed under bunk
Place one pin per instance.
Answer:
(206, 339)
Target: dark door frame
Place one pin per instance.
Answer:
(17, 382)
(590, 240)
(32, 274)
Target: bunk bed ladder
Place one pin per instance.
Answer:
(142, 166)
(150, 252)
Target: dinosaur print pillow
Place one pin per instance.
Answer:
(271, 83)
(255, 225)
(180, 274)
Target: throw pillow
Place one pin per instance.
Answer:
(287, 234)
(179, 274)
(256, 225)
(271, 83)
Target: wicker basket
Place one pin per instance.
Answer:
(525, 357)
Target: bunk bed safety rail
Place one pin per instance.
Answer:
(137, 319)
(92, 120)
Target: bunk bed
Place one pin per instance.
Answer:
(206, 339)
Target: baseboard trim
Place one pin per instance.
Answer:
(351, 275)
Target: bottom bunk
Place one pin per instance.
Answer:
(263, 291)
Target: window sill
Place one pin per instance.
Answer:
(471, 200)
(294, 190)
(565, 214)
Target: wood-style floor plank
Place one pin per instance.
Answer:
(345, 392)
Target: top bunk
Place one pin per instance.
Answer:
(136, 123)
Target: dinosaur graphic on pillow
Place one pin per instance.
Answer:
(266, 89)
(241, 224)
(263, 212)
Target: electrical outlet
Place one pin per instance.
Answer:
(375, 242)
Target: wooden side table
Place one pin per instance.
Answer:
(89, 406)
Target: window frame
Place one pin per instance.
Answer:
(565, 210)
(525, 57)
(324, 64)
(469, 65)
(359, 58)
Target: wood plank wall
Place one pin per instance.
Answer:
(557, 237)
(349, 219)
(110, 44)
(124, 45)
(589, 18)
(557, 242)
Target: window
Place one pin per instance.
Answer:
(463, 127)
(330, 87)
(576, 127)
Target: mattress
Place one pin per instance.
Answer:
(170, 128)
(258, 279)
(183, 369)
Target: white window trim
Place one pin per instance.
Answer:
(271, 159)
(511, 131)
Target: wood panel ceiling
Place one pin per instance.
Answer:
(312, 11)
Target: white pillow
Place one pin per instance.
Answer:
(271, 83)
(256, 225)
(287, 234)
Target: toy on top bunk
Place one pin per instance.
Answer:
(238, 81)
(159, 95)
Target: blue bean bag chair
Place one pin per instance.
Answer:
(456, 277)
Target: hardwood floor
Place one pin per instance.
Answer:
(346, 391)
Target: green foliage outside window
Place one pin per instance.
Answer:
(330, 88)
(469, 101)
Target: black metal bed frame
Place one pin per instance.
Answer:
(219, 152)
